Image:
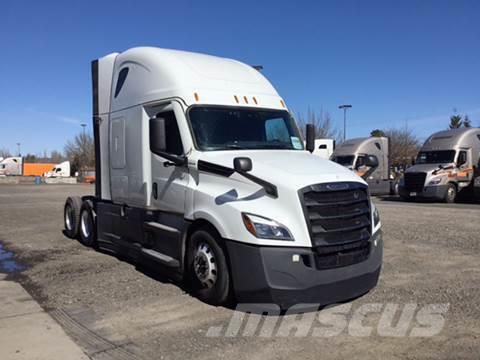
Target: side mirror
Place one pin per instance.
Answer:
(371, 161)
(310, 137)
(242, 164)
(158, 142)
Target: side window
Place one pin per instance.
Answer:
(360, 161)
(276, 129)
(122, 76)
(173, 140)
(462, 158)
(379, 147)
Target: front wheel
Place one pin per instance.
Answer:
(450, 194)
(208, 268)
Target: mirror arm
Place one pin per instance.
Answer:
(173, 160)
(270, 189)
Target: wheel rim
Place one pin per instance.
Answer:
(451, 193)
(69, 218)
(86, 224)
(205, 265)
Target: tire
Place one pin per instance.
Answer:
(87, 229)
(450, 194)
(208, 269)
(71, 216)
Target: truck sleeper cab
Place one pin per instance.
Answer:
(201, 168)
(445, 166)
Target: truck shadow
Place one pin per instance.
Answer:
(396, 198)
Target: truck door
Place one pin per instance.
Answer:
(169, 182)
(465, 170)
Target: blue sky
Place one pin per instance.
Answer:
(396, 62)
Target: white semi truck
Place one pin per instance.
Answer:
(59, 170)
(324, 148)
(445, 166)
(201, 169)
(11, 166)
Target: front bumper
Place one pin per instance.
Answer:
(431, 192)
(263, 274)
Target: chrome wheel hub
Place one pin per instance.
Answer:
(85, 224)
(69, 218)
(205, 266)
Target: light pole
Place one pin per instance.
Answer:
(345, 107)
(18, 149)
(83, 125)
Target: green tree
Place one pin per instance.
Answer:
(456, 121)
(377, 133)
(466, 122)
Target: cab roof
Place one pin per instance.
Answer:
(148, 74)
(452, 139)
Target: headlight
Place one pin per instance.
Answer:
(376, 217)
(435, 181)
(264, 228)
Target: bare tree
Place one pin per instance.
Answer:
(4, 153)
(81, 152)
(324, 126)
(404, 145)
(56, 156)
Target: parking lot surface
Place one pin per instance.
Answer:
(115, 310)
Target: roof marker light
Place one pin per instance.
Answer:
(246, 100)
(255, 100)
(236, 98)
(196, 96)
(283, 104)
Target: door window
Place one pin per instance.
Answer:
(462, 158)
(173, 140)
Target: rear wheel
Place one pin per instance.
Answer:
(450, 194)
(208, 268)
(71, 216)
(88, 233)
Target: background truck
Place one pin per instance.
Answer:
(444, 167)
(59, 170)
(11, 166)
(324, 148)
(369, 159)
(201, 169)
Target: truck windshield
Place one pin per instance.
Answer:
(435, 157)
(217, 128)
(345, 160)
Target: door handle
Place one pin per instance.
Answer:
(155, 190)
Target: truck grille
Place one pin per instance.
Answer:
(415, 181)
(338, 218)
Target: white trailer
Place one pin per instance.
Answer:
(59, 170)
(201, 168)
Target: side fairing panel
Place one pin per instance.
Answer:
(129, 157)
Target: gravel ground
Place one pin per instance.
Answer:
(116, 310)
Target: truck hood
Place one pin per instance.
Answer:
(426, 168)
(287, 168)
